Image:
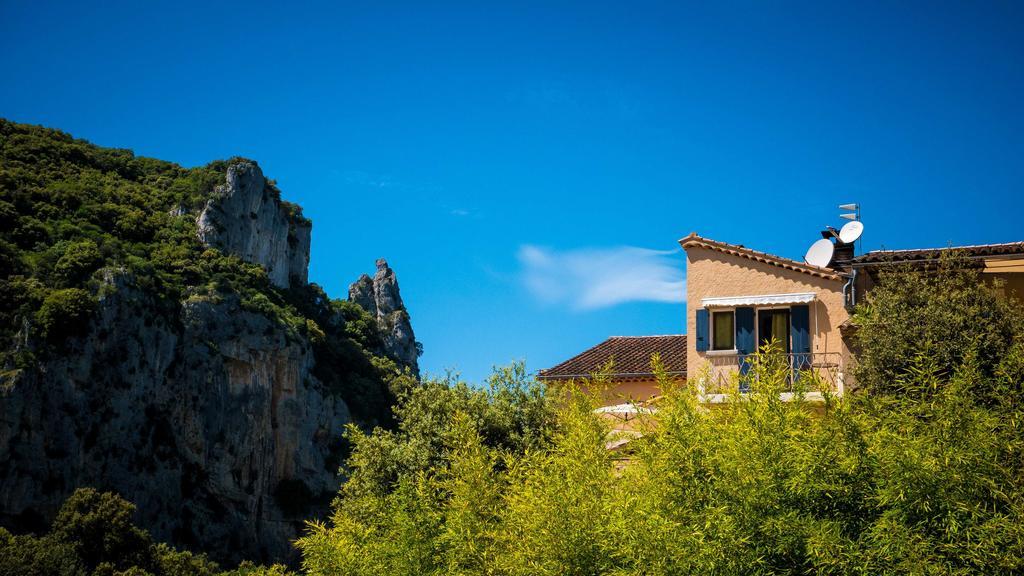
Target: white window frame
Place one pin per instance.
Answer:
(711, 332)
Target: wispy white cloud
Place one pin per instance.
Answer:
(591, 278)
(381, 181)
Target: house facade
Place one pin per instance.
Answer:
(739, 300)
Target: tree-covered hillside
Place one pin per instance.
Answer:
(69, 209)
(158, 339)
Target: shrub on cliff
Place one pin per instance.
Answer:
(79, 260)
(65, 313)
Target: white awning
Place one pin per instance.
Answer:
(627, 408)
(762, 300)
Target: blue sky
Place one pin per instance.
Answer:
(527, 168)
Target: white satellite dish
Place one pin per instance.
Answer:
(851, 231)
(820, 253)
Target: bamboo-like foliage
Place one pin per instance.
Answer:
(923, 477)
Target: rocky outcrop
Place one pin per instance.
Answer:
(246, 217)
(380, 297)
(213, 424)
(221, 419)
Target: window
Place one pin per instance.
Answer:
(723, 331)
(773, 324)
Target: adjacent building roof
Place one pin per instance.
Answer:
(630, 356)
(693, 240)
(924, 254)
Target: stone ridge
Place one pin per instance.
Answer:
(246, 218)
(381, 298)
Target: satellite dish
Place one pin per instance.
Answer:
(851, 231)
(820, 253)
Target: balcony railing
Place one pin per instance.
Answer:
(809, 373)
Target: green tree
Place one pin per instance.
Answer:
(93, 535)
(920, 476)
(65, 313)
(513, 413)
(98, 525)
(31, 556)
(947, 313)
(79, 261)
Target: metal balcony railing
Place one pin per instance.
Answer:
(811, 372)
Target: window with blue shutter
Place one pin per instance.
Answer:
(745, 343)
(800, 320)
(702, 330)
(745, 331)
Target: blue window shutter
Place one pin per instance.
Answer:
(745, 331)
(745, 343)
(702, 330)
(799, 317)
(800, 320)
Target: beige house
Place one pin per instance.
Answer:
(624, 362)
(1002, 262)
(740, 299)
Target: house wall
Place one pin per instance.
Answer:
(621, 392)
(710, 273)
(1013, 285)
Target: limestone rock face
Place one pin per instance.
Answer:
(246, 218)
(213, 425)
(381, 298)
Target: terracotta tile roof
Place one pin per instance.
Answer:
(693, 240)
(631, 357)
(917, 254)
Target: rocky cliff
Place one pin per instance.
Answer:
(246, 217)
(380, 297)
(178, 356)
(202, 423)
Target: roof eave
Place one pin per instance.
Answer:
(611, 376)
(694, 240)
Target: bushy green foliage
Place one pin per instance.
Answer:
(947, 313)
(78, 262)
(890, 481)
(511, 414)
(443, 459)
(69, 208)
(31, 556)
(65, 312)
(98, 525)
(93, 535)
